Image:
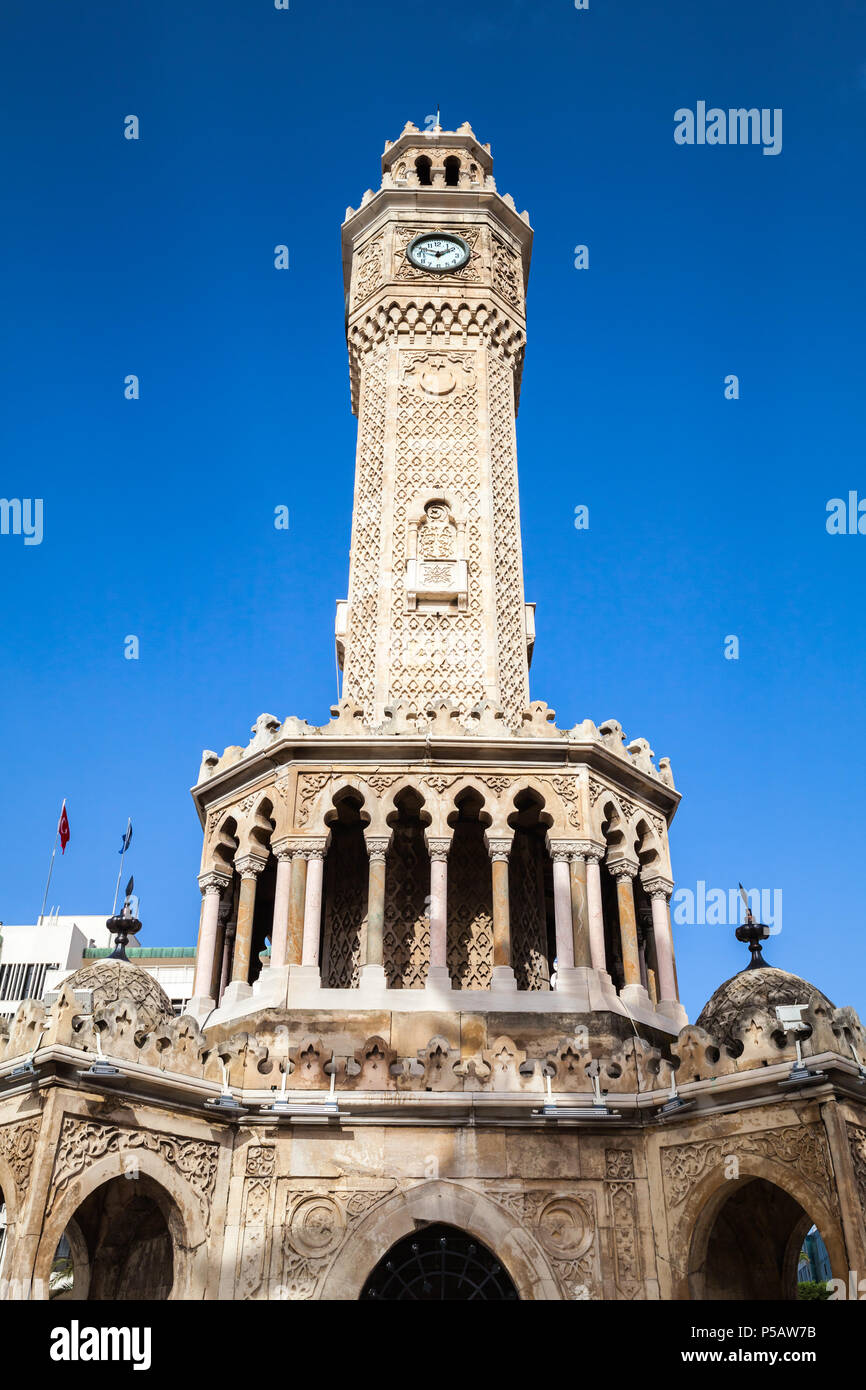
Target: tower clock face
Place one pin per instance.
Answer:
(438, 252)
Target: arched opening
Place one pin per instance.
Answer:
(224, 852)
(406, 936)
(422, 168)
(266, 887)
(117, 1246)
(452, 171)
(470, 896)
(747, 1244)
(530, 893)
(345, 893)
(439, 1263)
(614, 831)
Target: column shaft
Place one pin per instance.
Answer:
(280, 928)
(297, 899)
(562, 912)
(628, 930)
(313, 909)
(205, 959)
(244, 932)
(438, 911)
(501, 914)
(596, 914)
(376, 911)
(579, 912)
(667, 982)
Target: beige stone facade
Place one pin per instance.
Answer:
(435, 979)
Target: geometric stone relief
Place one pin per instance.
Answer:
(857, 1140)
(82, 1142)
(801, 1146)
(435, 655)
(622, 1210)
(308, 789)
(17, 1144)
(508, 596)
(564, 1224)
(313, 1227)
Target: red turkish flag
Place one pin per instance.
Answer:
(63, 829)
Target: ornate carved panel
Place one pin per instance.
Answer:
(622, 1211)
(801, 1146)
(437, 655)
(406, 938)
(510, 634)
(346, 881)
(313, 1227)
(857, 1140)
(528, 915)
(564, 1223)
(470, 909)
(17, 1146)
(360, 664)
(83, 1141)
(368, 270)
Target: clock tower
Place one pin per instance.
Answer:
(435, 266)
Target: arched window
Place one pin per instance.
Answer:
(423, 166)
(439, 1263)
(452, 171)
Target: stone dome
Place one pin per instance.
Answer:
(113, 981)
(751, 990)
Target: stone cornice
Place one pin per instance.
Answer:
(411, 754)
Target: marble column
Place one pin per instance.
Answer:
(562, 909)
(596, 911)
(438, 847)
(579, 910)
(313, 907)
(280, 928)
(373, 969)
(206, 964)
(624, 871)
(659, 891)
(249, 866)
(297, 898)
(503, 972)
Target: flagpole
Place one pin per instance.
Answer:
(120, 870)
(51, 865)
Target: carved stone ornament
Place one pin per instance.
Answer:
(17, 1146)
(82, 1142)
(800, 1146)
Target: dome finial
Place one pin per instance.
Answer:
(754, 933)
(126, 925)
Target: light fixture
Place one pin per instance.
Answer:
(675, 1104)
(789, 1015)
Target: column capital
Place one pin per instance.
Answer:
(591, 850)
(622, 868)
(282, 849)
(306, 847)
(657, 886)
(377, 846)
(250, 865)
(565, 849)
(213, 882)
(498, 846)
(438, 847)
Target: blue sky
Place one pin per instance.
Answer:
(707, 516)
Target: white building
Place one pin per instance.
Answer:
(36, 957)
